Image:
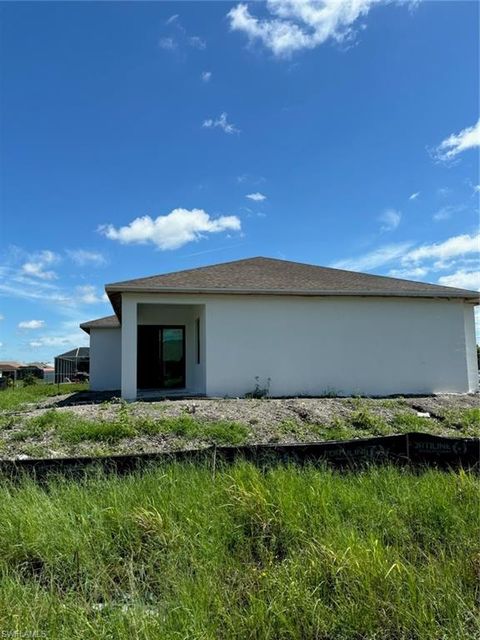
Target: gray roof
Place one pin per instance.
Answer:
(109, 322)
(281, 277)
(80, 353)
(269, 276)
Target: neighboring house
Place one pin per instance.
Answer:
(39, 370)
(70, 364)
(295, 328)
(10, 369)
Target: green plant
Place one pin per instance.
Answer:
(29, 380)
(16, 398)
(283, 552)
(363, 418)
(259, 392)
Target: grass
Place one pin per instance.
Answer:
(73, 429)
(14, 398)
(287, 553)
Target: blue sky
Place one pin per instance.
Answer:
(141, 138)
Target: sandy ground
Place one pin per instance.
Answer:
(265, 412)
(268, 420)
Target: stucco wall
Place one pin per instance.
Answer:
(105, 359)
(360, 346)
(308, 345)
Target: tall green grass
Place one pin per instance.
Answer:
(301, 553)
(14, 398)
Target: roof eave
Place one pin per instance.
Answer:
(471, 296)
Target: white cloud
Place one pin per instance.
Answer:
(451, 248)
(294, 25)
(179, 36)
(83, 257)
(197, 43)
(390, 220)
(476, 188)
(415, 272)
(74, 340)
(167, 43)
(206, 76)
(88, 294)
(36, 265)
(462, 279)
(455, 251)
(374, 259)
(256, 197)
(173, 230)
(220, 122)
(414, 196)
(2, 317)
(31, 324)
(445, 213)
(468, 138)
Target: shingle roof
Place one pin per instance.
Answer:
(281, 277)
(109, 322)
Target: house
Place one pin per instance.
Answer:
(68, 365)
(40, 370)
(296, 329)
(9, 370)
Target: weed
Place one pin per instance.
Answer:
(285, 552)
(14, 398)
(259, 392)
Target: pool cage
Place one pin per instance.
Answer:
(72, 365)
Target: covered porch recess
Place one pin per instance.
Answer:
(163, 349)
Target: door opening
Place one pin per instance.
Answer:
(161, 357)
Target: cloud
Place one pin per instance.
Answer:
(462, 279)
(31, 324)
(167, 43)
(476, 188)
(197, 43)
(222, 123)
(206, 76)
(35, 267)
(445, 213)
(256, 197)
(452, 146)
(173, 230)
(179, 37)
(88, 294)
(390, 220)
(30, 282)
(452, 248)
(294, 25)
(414, 196)
(415, 272)
(2, 317)
(75, 339)
(83, 257)
(455, 251)
(374, 259)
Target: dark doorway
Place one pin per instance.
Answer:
(161, 357)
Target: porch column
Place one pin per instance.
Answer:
(129, 348)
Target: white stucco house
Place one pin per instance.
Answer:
(299, 329)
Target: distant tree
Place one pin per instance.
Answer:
(29, 380)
